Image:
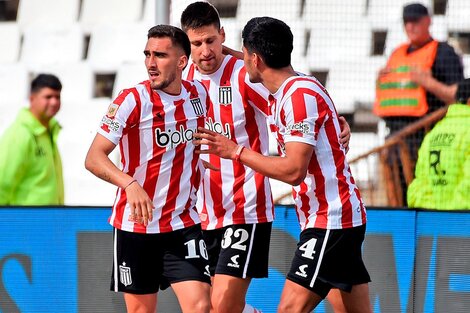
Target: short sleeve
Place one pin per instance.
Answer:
(304, 114)
(118, 117)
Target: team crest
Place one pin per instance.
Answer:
(225, 95)
(197, 106)
(112, 109)
(125, 274)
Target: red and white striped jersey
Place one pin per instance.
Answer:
(154, 131)
(302, 111)
(236, 194)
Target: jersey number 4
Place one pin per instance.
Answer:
(308, 248)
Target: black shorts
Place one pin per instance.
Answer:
(145, 263)
(239, 250)
(326, 259)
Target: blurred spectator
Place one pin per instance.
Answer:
(402, 98)
(443, 168)
(30, 164)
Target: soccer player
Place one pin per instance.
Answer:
(329, 207)
(235, 203)
(157, 234)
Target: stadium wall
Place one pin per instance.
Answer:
(58, 260)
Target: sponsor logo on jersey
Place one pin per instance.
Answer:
(234, 262)
(302, 271)
(218, 127)
(112, 110)
(125, 274)
(302, 127)
(225, 95)
(171, 138)
(110, 124)
(197, 106)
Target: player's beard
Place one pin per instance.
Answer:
(165, 83)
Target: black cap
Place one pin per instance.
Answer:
(463, 91)
(414, 11)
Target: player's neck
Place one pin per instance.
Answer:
(173, 89)
(274, 78)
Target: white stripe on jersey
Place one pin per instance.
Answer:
(154, 132)
(237, 194)
(327, 198)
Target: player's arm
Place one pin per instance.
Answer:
(97, 162)
(230, 51)
(291, 169)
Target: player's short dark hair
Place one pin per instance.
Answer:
(45, 81)
(177, 36)
(271, 38)
(199, 14)
(463, 91)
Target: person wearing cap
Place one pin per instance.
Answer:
(401, 96)
(443, 169)
(30, 163)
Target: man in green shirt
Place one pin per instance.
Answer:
(30, 164)
(443, 167)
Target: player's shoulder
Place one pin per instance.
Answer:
(194, 87)
(132, 93)
(238, 63)
(301, 83)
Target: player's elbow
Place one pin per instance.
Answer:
(89, 163)
(296, 177)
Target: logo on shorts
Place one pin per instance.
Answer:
(301, 272)
(125, 274)
(234, 261)
(207, 271)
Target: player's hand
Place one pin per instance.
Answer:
(209, 166)
(216, 143)
(140, 204)
(345, 134)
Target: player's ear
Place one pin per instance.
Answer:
(256, 59)
(183, 61)
(222, 33)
